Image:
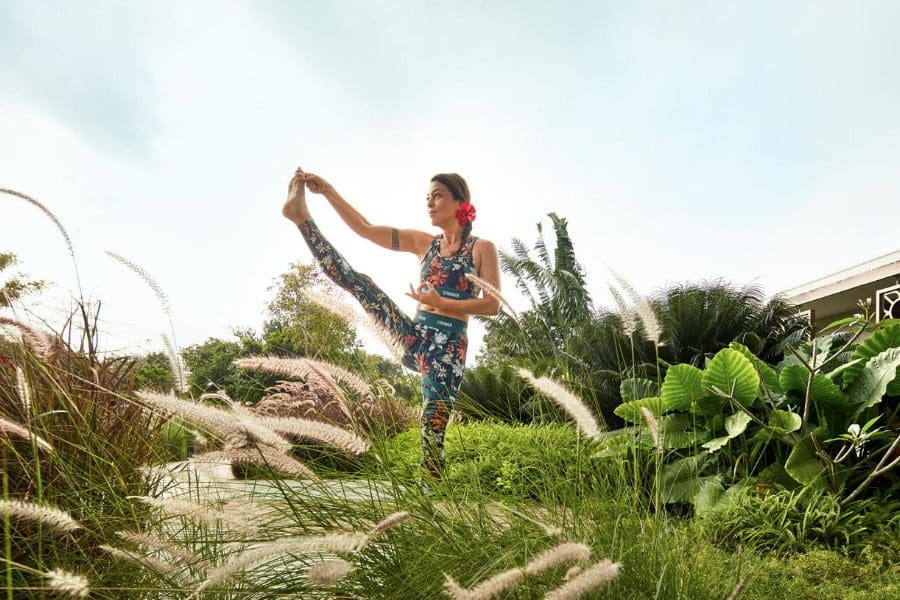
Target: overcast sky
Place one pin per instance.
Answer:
(682, 141)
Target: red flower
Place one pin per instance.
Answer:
(423, 365)
(465, 213)
(436, 275)
(441, 416)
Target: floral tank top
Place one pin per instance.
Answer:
(446, 273)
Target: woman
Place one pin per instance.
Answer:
(435, 340)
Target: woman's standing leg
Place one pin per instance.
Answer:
(441, 363)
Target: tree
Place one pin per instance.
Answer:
(154, 372)
(299, 326)
(557, 291)
(16, 286)
(211, 367)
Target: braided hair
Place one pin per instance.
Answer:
(460, 191)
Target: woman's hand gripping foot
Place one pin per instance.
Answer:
(295, 208)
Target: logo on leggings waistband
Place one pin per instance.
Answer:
(445, 323)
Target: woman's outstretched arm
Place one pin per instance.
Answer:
(405, 240)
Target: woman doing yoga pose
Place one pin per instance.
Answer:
(434, 342)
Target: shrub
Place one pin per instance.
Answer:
(522, 461)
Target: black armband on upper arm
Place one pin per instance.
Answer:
(395, 239)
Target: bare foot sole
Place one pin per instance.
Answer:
(295, 208)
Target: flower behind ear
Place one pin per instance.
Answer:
(465, 214)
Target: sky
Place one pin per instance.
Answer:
(756, 142)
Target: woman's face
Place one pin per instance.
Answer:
(441, 205)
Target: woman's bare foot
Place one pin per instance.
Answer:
(295, 208)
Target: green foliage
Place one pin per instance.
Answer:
(525, 461)
(788, 521)
(301, 327)
(18, 285)
(211, 366)
(740, 419)
(154, 372)
(498, 393)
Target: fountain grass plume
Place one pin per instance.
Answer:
(350, 379)
(221, 423)
(257, 431)
(205, 513)
(389, 522)
(511, 578)
(315, 430)
(629, 325)
(268, 551)
(644, 310)
(653, 425)
(30, 337)
(62, 230)
(160, 567)
(585, 581)
(23, 390)
(175, 361)
(329, 382)
(295, 368)
(70, 585)
(156, 543)
(496, 585)
(570, 403)
(9, 428)
(261, 456)
(179, 371)
(562, 553)
(328, 572)
(492, 291)
(58, 520)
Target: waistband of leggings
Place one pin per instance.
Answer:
(445, 324)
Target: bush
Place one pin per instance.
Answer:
(524, 461)
(788, 521)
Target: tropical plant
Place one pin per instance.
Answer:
(809, 422)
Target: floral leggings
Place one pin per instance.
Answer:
(434, 345)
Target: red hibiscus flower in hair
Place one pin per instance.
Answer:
(465, 213)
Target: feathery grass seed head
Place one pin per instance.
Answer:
(67, 584)
(54, 518)
(582, 415)
(268, 551)
(8, 428)
(30, 337)
(563, 553)
(316, 430)
(653, 425)
(390, 521)
(585, 581)
(328, 572)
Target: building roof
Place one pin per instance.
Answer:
(846, 279)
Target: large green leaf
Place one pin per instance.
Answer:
(882, 339)
(683, 387)
(631, 410)
(784, 421)
(824, 393)
(767, 375)
(804, 465)
(873, 381)
(680, 480)
(709, 495)
(735, 425)
(730, 372)
(636, 388)
(679, 430)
